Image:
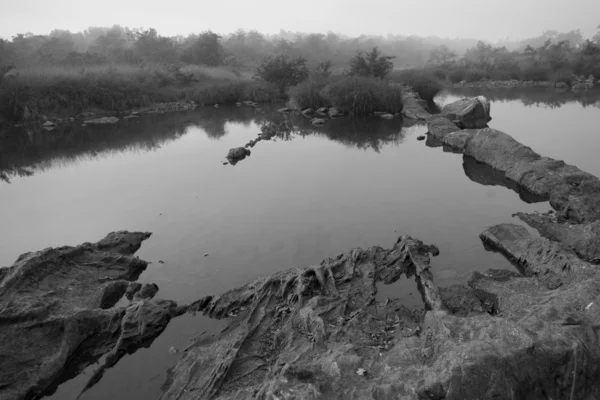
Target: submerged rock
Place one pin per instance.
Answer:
(469, 113)
(237, 154)
(318, 121)
(387, 116)
(102, 121)
(57, 313)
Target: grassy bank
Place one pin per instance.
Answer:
(28, 94)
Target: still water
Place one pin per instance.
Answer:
(296, 200)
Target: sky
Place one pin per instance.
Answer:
(479, 19)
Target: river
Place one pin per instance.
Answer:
(297, 199)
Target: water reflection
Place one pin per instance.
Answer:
(488, 176)
(27, 150)
(547, 97)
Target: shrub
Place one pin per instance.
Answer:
(362, 95)
(440, 73)
(282, 71)
(423, 82)
(308, 93)
(475, 75)
(456, 76)
(260, 92)
(370, 64)
(537, 74)
(563, 75)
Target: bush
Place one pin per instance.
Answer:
(456, 76)
(370, 64)
(308, 93)
(563, 75)
(440, 73)
(536, 74)
(282, 71)
(362, 95)
(475, 75)
(423, 82)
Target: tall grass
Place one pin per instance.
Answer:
(363, 96)
(307, 94)
(29, 93)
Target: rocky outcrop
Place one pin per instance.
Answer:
(102, 121)
(469, 113)
(58, 314)
(319, 332)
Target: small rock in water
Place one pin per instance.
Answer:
(225, 163)
(238, 104)
(48, 124)
(361, 372)
(172, 350)
(216, 106)
(284, 110)
(318, 121)
(161, 262)
(205, 254)
(387, 116)
(421, 137)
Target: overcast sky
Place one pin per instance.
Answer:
(481, 19)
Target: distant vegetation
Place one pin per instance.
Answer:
(119, 68)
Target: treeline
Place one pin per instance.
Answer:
(558, 58)
(120, 45)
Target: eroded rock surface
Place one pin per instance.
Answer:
(319, 333)
(414, 107)
(57, 315)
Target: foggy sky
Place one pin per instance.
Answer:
(480, 19)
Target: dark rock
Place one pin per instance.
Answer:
(132, 289)
(469, 113)
(58, 314)
(306, 332)
(421, 137)
(148, 291)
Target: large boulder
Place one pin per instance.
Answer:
(469, 112)
(58, 314)
(320, 332)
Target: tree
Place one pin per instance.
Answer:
(370, 64)
(206, 49)
(282, 71)
(441, 56)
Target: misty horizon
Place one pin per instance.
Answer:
(457, 20)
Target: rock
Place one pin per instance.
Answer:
(580, 86)
(469, 112)
(147, 291)
(102, 121)
(307, 111)
(58, 313)
(439, 126)
(284, 110)
(48, 124)
(237, 154)
(334, 113)
(132, 289)
(561, 86)
(216, 106)
(131, 116)
(225, 163)
(379, 113)
(323, 110)
(318, 121)
(421, 137)
(238, 104)
(387, 116)
(308, 332)
(414, 107)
